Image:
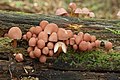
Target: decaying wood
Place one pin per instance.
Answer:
(50, 70)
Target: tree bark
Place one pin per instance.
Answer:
(55, 69)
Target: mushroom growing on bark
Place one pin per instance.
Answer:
(61, 12)
(19, 57)
(15, 33)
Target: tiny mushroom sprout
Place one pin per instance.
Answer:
(108, 45)
(61, 12)
(73, 6)
(118, 14)
(19, 57)
(77, 12)
(15, 33)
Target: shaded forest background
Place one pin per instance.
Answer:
(102, 8)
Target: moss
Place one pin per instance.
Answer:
(89, 60)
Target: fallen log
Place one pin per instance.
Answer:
(97, 61)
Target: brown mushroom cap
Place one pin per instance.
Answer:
(75, 47)
(50, 45)
(52, 27)
(72, 41)
(51, 53)
(78, 11)
(70, 33)
(42, 59)
(72, 6)
(19, 57)
(43, 24)
(85, 11)
(83, 46)
(78, 39)
(37, 30)
(108, 45)
(24, 37)
(32, 30)
(45, 50)
(43, 35)
(29, 49)
(91, 14)
(93, 38)
(53, 37)
(62, 34)
(15, 33)
(97, 43)
(34, 35)
(37, 52)
(89, 46)
(40, 43)
(31, 54)
(87, 37)
(60, 12)
(67, 42)
(32, 42)
(28, 35)
(93, 44)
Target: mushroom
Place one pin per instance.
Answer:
(72, 41)
(31, 54)
(53, 37)
(87, 37)
(59, 45)
(28, 35)
(61, 12)
(29, 49)
(32, 30)
(93, 38)
(72, 6)
(42, 59)
(52, 27)
(91, 15)
(19, 57)
(77, 12)
(108, 45)
(89, 46)
(37, 52)
(85, 11)
(70, 33)
(43, 24)
(37, 29)
(45, 50)
(34, 35)
(118, 14)
(97, 43)
(43, 35)
(40, 43)
(50, 45)
(83, 46)
(15, 33)
(24, 37)
(32, 42)
(50, 53)
(75, 47)
(78, 39)
(62, 34)
(67, 42)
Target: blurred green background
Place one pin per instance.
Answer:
(102, 8)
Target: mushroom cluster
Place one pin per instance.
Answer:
(48, 40)
(75, 12)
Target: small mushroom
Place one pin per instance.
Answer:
(97, 43)
(45, 50)
(43, 24)
(40, 43)
(52, 27)
(53, 37)
(61, 12)
(28, 35)
(75, 47)
(32, 42)
(62, 34)
(42, 58)
(83, 46)
(93, 38)
(118, 14)
(87, 37)
(72, 41)
(32, 30)
(59, 45)
(91, 15)
(31, 54)
(34, 35)
(24, 37)
(77, 12)
(29, 49)
(15, 33)
(37, 52)
(78, 39)
(67, 42)
(43, 35)
(51, 53)
(89, 46)
(50, 45)
(85, 11)
(108, 45)
(19, 57)
(37, 30)
(72, 6)
(70, 33)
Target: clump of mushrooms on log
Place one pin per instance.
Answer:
(48, 40)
